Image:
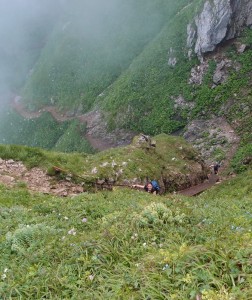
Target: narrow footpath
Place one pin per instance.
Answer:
(96, 143)
(197, 189)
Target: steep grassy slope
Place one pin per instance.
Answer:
(91, 47)
(143, 97)
(127, 245)
(42, 132)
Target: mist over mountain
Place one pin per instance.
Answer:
(112, 69)
(24, 28)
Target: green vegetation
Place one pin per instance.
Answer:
(240, 116)
(36, 157)
(144, 91)
(119, 165)
(43, 132)
(120, 65)
(73, 140)
(84, 54)
(127, 245)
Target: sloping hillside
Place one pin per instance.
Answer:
(151, 67)
(90, 48)
(127, 245)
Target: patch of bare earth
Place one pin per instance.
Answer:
(14, 173)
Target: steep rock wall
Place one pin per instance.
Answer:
(219, 20)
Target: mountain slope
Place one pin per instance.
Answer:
(127, 244)
(91, 46)
(152, 67)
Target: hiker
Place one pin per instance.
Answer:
(150, 187)
(216, 167)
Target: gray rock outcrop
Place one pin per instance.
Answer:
(220, 20)
(212, 25)
(172, 60)
(221, 73)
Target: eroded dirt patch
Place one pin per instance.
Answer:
(14, 173)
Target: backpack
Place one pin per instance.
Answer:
(155, 185)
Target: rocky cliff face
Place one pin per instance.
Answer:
(219, 20)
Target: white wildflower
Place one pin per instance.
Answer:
(120, 171)
(113, 164)
(134, 236)
(72, 231)
(94, 170)
(91, 277)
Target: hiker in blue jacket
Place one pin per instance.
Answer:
(150, 187)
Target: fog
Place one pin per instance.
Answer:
(24, 25)
(24, 29)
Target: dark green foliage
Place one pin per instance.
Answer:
(43, 132)
(73, 140)
(243, 158)
(144, 91)
(39, 132)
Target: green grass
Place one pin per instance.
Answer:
(173, 161)
(127, 244)
(83, 59)
(44, 132)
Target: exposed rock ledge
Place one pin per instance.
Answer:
(219, 20)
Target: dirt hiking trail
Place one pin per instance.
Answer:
(96, 143)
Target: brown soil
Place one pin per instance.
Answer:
(14, 173)
(196, 190)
